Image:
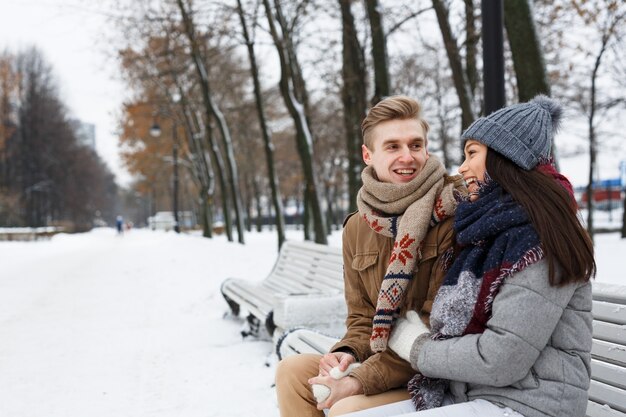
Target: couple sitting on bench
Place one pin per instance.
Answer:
(461, 301)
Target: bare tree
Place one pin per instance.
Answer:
(471, 46)
(379, 52)
(461, 83)
(214, 111)
(52, 175)
(267, 140)
(530, 68)
(354, 96)
(294, 93)
(607, 26)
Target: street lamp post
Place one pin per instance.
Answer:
(493, 54)
(155, 131)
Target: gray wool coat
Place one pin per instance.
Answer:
(534, 355)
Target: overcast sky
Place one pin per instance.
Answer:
(70, 34)
(73, 36)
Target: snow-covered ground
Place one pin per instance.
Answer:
(97, 324)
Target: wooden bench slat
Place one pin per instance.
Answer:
(608, 373)
(306, 265)
(609, 332)
(302, 340)
(302, 345)
(255, 296)
(609, 352)
(301, 271)
(285, 285)
(598, 410)
(313, 247)
(306, 276)
(310, 267)
(604, 393)
(610, 312)
(329, 265)
(312, 282)
(316, 258)
(254, 293)
(611, 293)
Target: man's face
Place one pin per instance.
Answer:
(398, 151)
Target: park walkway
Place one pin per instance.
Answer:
(103, 325)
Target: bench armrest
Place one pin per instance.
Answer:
(310, 311)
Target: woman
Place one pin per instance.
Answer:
(511, 325)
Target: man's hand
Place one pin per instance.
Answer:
(330, 360)
(339, 388)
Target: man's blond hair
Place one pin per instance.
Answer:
(392, 108)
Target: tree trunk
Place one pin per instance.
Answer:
(213, 110)
(461, 84)
(592, 165)
(379, 52)
(354, 96)
(624, 217)
(306, 216)
(203, 168)
(530, 68)
(304, 138)
(471, 46)
(592, 133)
(259, 207)
(444, 136)
(219, 163)
(267, 140)
(206, 214)
(248, 201)
(330, 212)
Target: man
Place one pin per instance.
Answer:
(393, 250)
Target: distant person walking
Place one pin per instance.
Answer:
(119, 224)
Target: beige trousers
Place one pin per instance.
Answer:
(295, 398)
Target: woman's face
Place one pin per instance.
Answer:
(474, 167)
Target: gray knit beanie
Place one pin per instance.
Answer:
(522, 132)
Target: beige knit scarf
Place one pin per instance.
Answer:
(404, 212)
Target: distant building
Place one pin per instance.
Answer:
(85, 133)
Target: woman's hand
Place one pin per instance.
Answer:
(404, 333)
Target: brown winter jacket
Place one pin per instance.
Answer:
(365, 258)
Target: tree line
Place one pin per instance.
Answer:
(47, 177)
(265, 98)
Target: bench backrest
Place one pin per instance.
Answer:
(310, 267)
(608, 352)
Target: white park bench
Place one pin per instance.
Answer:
(305, 287)
(607, 392)
(28, 233)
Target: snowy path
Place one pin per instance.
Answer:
(100, 325)
(96, 325)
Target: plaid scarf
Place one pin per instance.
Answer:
(495, 240)
(404, 212)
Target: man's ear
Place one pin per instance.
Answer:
(367, 155)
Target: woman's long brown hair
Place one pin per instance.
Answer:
(553, 213)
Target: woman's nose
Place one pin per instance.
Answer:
(463, 167)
